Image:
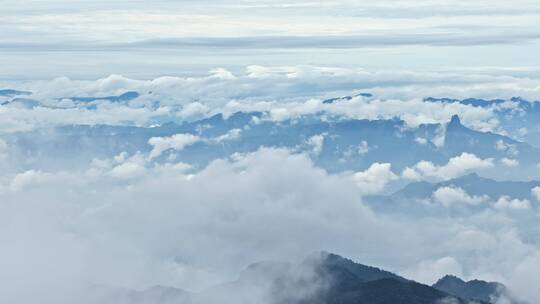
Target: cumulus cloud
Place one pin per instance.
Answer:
(193, 110)
(375, 178)
(26, 179)
(509, 162)
(91, 227)
(230, 135)
(128, 170)
(413, 111)
(316, 142)
(280, 95)
(455, 167)
(363, 147)
(510, 149)
(506, 202)
(174, 208)
(449, 196)
(420, 140)
(176, 142)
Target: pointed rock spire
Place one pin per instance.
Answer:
(455, 120)
(455, 123)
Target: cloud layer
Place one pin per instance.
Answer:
(168, 37)
(133, 223)
(282, 93)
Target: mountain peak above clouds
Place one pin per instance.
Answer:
(330, 261)
(346, 98)
(474, 289)
(324, 278)
(455, 121)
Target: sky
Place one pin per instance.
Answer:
(89, 40)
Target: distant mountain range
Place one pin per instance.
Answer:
(119, 98)
(347, 144)
(13, 93)
(323, 278)
(418, 198)
(515, 114)
(473, 184)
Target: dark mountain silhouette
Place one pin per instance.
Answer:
(459, 138)
(527, 113)
(330, 262)
(475, 289)
(322, 278)
(346, 98)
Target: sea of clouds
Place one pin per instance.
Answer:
(132, 222)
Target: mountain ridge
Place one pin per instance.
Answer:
(321, 278)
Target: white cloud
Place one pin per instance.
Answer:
(176, 142)
(536, 193)
(455, 167)
(413, 111)
(510, 149)
(526, 270)
(387, 21)
(449, 196)
(193, 109)
(358, 150)
(88, 226)
(222, 73)
(363, 147)
(375, 178)
(230, 135)
(508, 162)
(506, 202)
(26, 179)
(420, 140)
(440, 136)
(128, 170)
(316, 143)
(281, 96)
(128, 236)
(429, 271)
